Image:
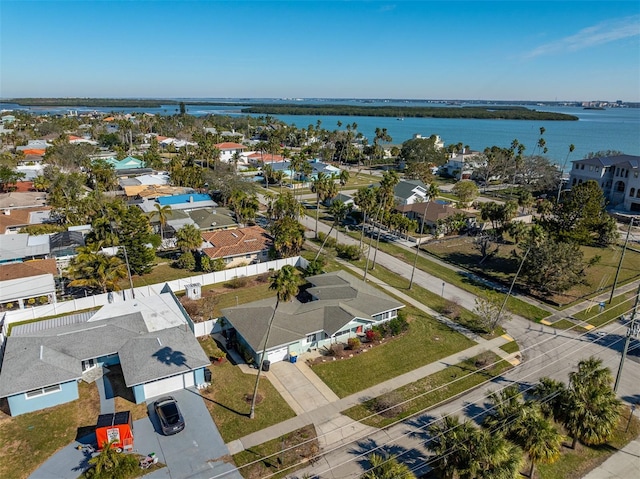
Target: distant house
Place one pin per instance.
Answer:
(346, 199)
(12, 219)
(238, 246)
(431, 213)
(462, 165)
(407, 192)
(23, 247)
(341, 307)
(187, 202)
(128, 163)
(150, 338)
(20, 282)
(75, 140)
(618, 177)
(228, 149)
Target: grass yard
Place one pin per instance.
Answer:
(566, 324)
(426, 341)
(574, 464)
(620, 305)
(514, 304)
(30, 439)
(286, 454)
(503, 266)
(510, 348)
(428, 392)
(226, 400)
(159, 274)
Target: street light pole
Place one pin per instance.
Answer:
(624, 249)
(632, 331)
(415, 259)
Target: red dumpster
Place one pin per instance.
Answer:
(115, 429)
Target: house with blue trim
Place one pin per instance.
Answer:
(150, 337)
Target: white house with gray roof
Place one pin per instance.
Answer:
(407, 192)
(341, 307)
(150, 337)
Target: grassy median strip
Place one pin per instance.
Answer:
(621, 304)
(287, 454)
(429, 391)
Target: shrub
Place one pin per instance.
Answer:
(238, 282)
(398, 325)
(186, 261)
(373, 335)
(353, 344)
(451, 308)
(388, 405)
(331, 241)
(350, 252)
(335, 350)
(43, 300)
(316, 266)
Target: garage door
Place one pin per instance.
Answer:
(167, 385)
(278, 354)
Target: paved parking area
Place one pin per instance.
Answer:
(198, 452)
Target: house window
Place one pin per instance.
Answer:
(626, 173)
(582, 167)
(638, 193)
(590, 167)
(597, 169)
(42, 391)
(311, 338)
(88, 364)
(632, 192)
(620, 186)
(574, 182)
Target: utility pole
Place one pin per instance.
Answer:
(415, 259)
(624, 249)
(632, 331)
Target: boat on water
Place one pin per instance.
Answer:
(400, 119)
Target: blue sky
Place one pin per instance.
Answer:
(543, 50)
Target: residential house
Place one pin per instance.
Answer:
(149, 337)
(407, 192)
(128, 163)
(618, 177)
(340, 306)
(23, 247)
(432, 212)
(20, 282)
(13, 219)
(461, 165)
(228, 149)
(237, 247)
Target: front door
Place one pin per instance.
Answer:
(88, 364)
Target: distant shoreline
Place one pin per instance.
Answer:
(489, 112)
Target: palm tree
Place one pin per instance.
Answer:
(447, 437)
(592, 407)
(188, 238)
(93, 269)
(537, 436)
(506, 407)
(344, 177)
(163, 213)
(320, 186)
(387, 468)
(339, 211)
(267, 173)
(389, 181)
(365, 198)
(285, 284)
(551, 395)
(112, 464)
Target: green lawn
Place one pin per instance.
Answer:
(426, 341)
(502, 266)
(620, 305)
(510, 347)
(574, 464)
(286, 454)
(227, 401)
(429, 391)
(566, 324)
(30, 439)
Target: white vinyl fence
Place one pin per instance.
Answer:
(95, 301)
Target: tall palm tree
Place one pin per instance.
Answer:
(285, 283)
(387, 468)
(506, 407)
(188, 238)
(344, 177)
(365, 198)
(446, 438)
(323, 186)
(389, 181)
(93, 269)
(163, 213)
(551, 396)
(339, 211)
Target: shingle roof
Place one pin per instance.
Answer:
(229, 145)
(234, 242)
(23, 217)
(633, 160)
(404, 189)
(343, 298)
(27, 269)
(150, 335)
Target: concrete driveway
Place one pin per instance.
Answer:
(198, 452)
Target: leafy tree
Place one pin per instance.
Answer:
(286, 285)
(285, 205)
(466, 191)
(490, 311)
(244, 206)
(151, 157)
(552, 266)
(136, 235)
(581, 216)
(288, 237)
(186, 261)
(423, 150)
(387, 467)
(315, 266)
(592, 409)
(538, 172)
(102, 175)
(9, 177)
(500, 214)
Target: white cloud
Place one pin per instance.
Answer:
(605, 32)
